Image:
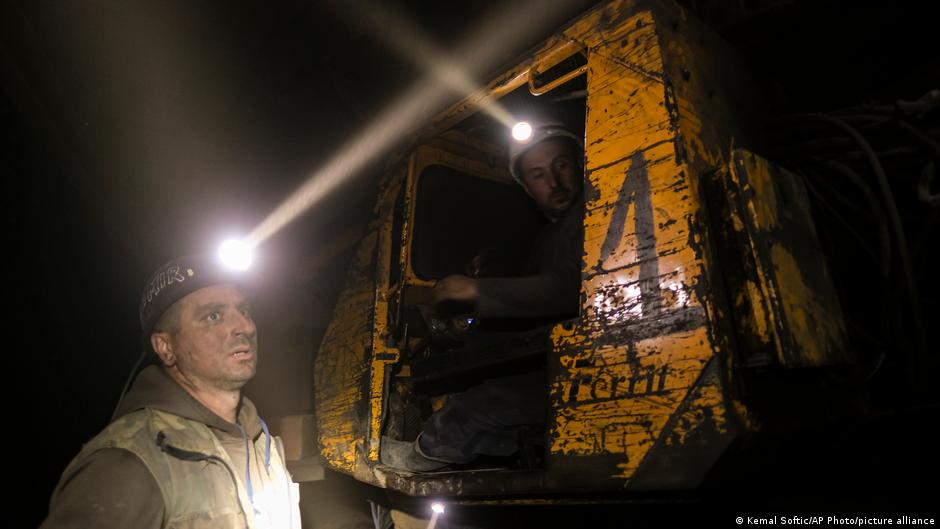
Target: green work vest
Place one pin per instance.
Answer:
(194, 473)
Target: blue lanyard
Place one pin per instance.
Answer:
(267, 459)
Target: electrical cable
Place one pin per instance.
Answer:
(894, 217)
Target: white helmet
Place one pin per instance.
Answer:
(541, 131)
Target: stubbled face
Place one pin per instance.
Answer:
(216, 341)
(552, 175)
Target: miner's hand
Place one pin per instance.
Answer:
(455, 288)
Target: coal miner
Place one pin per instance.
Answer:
(486, 419)
(186, 448)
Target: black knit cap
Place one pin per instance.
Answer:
(176, 279)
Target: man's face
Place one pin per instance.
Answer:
(552, 176)
(216, 340)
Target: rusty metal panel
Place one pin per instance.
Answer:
(785, 303)
(342, 362)
(383, 353)
(344, 369)
(639, 392)
(640, 382)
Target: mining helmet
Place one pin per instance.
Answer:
(176, 279)
(540, 132)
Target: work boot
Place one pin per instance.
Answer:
(403, 456)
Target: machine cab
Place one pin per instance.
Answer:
(640, 385)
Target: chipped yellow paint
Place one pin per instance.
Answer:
(377, 389)
(383, 355)
(611, 374)
(612, 406)
(617, 395)
(689, 70)
(758, 319)
(340, 365)
(705, 406)
(759, 184)
(756, 210)
(807, 316)
(777, 305)
(631, 372)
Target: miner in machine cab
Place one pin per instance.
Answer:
(485, 419)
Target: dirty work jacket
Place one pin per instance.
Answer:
(172, 463)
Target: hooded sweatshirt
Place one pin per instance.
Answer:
(108, 486)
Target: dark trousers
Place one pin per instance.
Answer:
(485, 419)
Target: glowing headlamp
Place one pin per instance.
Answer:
(522, 131)
(235, 254)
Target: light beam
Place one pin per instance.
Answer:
(510, 28)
